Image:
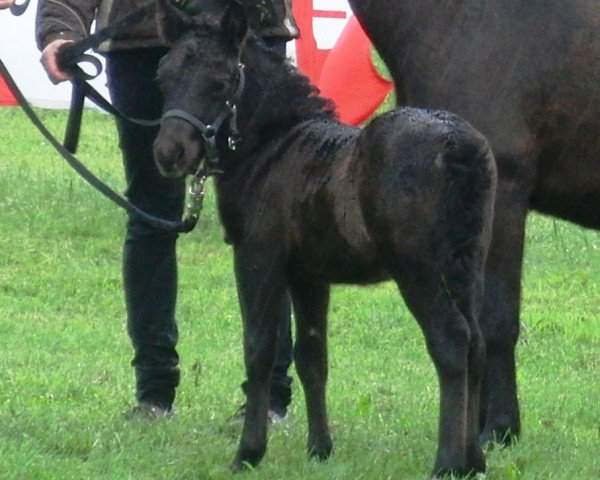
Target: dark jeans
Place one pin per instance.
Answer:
(149, 254)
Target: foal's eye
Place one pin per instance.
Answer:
(163, 60)
(218, 86)
(162, 72)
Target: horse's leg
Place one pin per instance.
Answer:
(262, 293)
(310, 355)
(449, 339)
(499, 320)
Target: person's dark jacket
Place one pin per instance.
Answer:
(72, 20)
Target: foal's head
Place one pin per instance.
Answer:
(202, 80)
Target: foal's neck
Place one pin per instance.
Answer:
(277, 97)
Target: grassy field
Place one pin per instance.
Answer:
(65, 378)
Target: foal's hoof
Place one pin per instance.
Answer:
(448, 473)
(476, 458)
(321, 452)
(246, 459)
(238, 467)
(476, 469)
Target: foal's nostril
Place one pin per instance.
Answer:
(168, 157)
(176, 153)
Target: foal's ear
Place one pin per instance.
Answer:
(172, 21)
(234, 25)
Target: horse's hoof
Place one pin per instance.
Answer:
(498, 437)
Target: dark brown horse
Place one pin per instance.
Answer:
(308, 202)
(525, 74)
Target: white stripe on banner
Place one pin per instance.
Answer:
(329, 20)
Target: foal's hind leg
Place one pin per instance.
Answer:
(449, 338)
(310, 355)
(470, 306)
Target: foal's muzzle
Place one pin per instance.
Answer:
(177, 150)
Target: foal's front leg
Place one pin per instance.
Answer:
(262, 296)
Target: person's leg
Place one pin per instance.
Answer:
(281, 383)
(149, 254)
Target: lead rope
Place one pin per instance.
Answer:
(19, 9)
(185, 225)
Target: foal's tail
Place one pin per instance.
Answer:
(467, 212)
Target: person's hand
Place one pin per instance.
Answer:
(48, 60)
(6, 4)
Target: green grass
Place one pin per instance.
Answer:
(65, 378)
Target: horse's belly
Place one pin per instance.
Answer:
(570, 189)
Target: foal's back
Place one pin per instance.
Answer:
(361, 197)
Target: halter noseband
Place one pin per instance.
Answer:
(209, 131)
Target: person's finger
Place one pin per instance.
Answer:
(6, 4)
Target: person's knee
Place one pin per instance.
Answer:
(141, 231)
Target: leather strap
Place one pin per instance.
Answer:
(19, 9)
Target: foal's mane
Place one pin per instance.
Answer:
(275, 90)
(290, 93)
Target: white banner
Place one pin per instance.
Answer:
(22, 58)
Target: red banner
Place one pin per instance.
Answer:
(6, 97)
(334, 52)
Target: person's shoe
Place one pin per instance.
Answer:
(148, 411)
(275, 416)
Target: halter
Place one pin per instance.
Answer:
(209, 131)
(210, 164)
